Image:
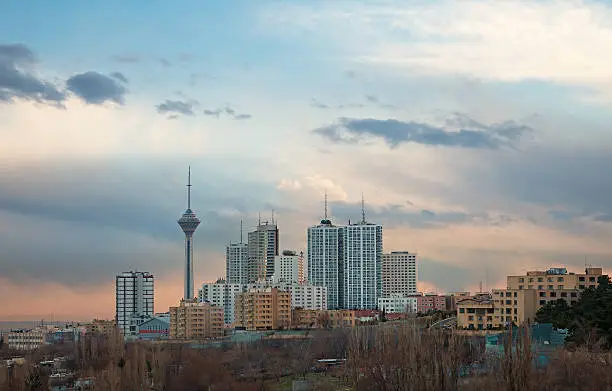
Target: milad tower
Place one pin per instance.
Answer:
(188, 223)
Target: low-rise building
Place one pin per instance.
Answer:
(305, 318)
(263, 309)
(427, 303)
(101, 326)
(477, 313)
(155, 328)
(27, 339)
(398, 303)
(196, 320)
(514, 306)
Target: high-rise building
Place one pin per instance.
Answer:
(362, 262)
(195, 320)
(222, 294)
(399, 273)
(188, 223)
(237, 263)
(325, 259)
(262, 248)
(134, 297)
(289, 267)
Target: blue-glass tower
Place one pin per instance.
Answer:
(188, 223)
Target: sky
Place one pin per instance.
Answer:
(478, 132)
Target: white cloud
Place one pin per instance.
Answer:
(559, 41)
(289, 184)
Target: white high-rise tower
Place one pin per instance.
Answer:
(362, 249)
(325, 243)
(188, 223)
(133, 296)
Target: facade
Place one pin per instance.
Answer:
(514, 306)
(237, 263)
(194, 320)
(476, 313)
(27, 340)
(289, 267)
(399, 273)
(155, 328)
(428, 303)
(188, 223)
(397, 303)
(362, 264)
(555, 283)
(134, 297)
(224, 295)
(325, 267)
(262, 249)
(101, 326)
(263, 309)
(302, 318)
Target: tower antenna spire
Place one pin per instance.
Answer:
(240, 231)
(363, 220)
(272, 216)
(325, 204)
(189, 188)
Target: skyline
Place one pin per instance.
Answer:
(480, 145)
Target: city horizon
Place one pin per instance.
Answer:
(476, 144)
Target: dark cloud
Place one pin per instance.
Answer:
(127, 58)
(372, 98)
(214, 113)
(243, 116)
(119, 76)
(18, 81)
(606, 218)
(176, 107)
(164, 62)
(96, 88)
(395, 132)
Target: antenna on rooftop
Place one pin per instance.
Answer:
(272, 216)
(363, 220)
(259, 220)
(240, 231)
(325, 204)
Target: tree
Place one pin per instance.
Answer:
(383, 315)
(559, 313)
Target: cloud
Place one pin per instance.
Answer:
(127, 58)
(18, 79)
(119, 76)
(177, 107)
(96, 88)
(230, 111)
(556, 41)
(317, 104)
(395, 132)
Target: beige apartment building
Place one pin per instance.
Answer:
(556, 283)
(263, 309)
(194, 320)
(523, 297)
(305, 318)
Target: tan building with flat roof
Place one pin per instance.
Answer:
(555, 283)
(263, 309)
(514, 306)
(193, 320)
(477, 313)
(303, 318)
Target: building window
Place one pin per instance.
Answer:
(520, 287)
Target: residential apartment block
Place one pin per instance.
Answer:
(302, 318)
(325, 267)
(399, 273)
(224, 295)
(195, 320)
(426, 303)
(262, 249)
(523, 297)
(362, 265)
(289, 267)
(26, 340)
(263, 309)
(237, 263)
(134, 296)
(398, 303)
